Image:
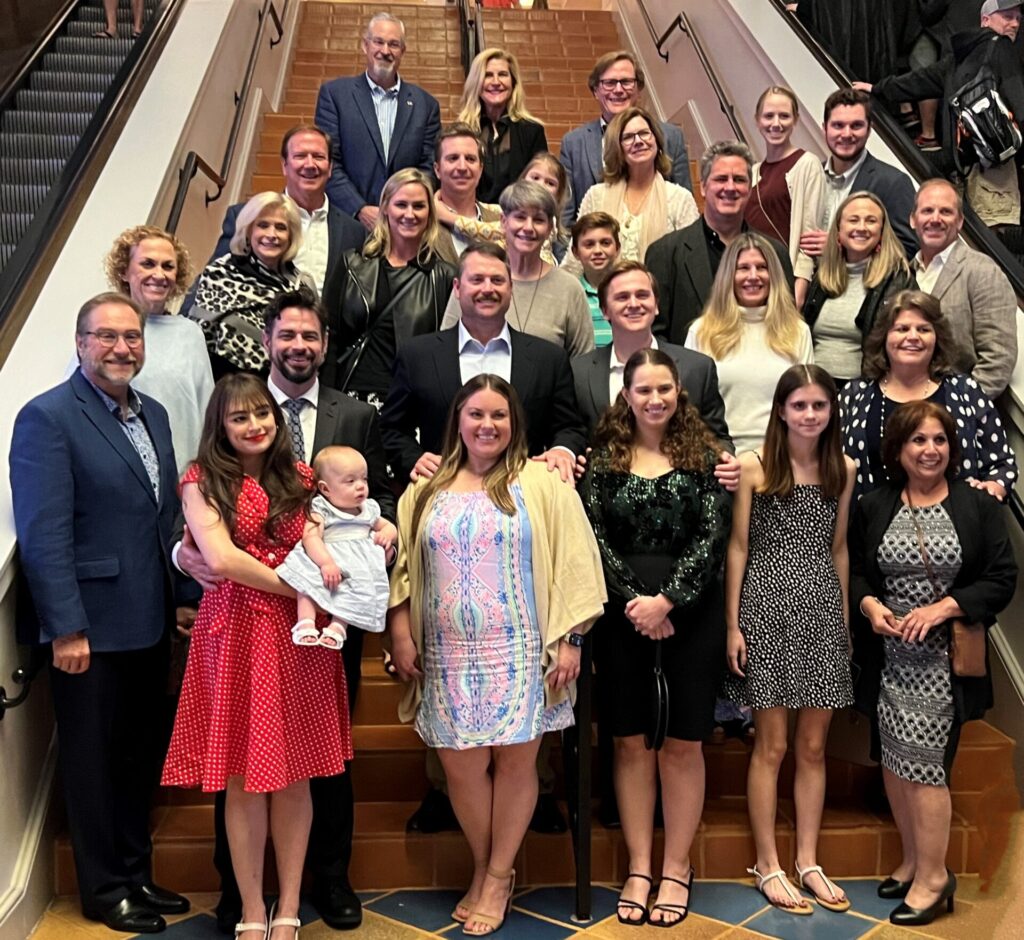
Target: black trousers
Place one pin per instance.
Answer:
(112, 736)
(330, 838)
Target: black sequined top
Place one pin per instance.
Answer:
(680, 513)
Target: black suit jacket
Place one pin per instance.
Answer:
(426, 380)
(679, 262)
(896, 191)
(347, 422)
(696, 371)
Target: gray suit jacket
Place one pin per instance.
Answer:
(981, 309)
(582, 156)
(696, 371)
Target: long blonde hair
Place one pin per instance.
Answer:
(887, 259)
(721, 324)
(469, 106)
(378, 242)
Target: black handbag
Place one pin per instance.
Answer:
(654, 738)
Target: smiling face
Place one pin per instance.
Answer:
(295, 345)
(846, 132)
(343, 481)
(653, 396)
(250, 429)
(726, 191)
(925, 455)
(307, 168)
(269, 237)
(776, 119)
(936, 218)
(596, 250)
(408, 212)
(384, 49)
(152, 270)
(910, 342)
(617, 88)
(860, 229)
(806, 411)
(485, 426)
(630, 305)
(497, 85)
(526, 230)
(112, 367)
(639, 147)
(751, 281)
(484, 290)
(459, 168)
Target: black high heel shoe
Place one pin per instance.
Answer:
(907, 916)
(890, 889)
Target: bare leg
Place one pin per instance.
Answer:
(681, 769)
(137, 11)
(471, 790)
(291, 815)
(932, 811)
(896, 791)
(809, 794)
(110, 11)
(515, 796)
(245, 817)
(770, 726)
(928, 111)
(634, 771)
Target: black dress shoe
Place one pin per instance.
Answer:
(228, 913)
(129, 917)
(338, 905)
(435, 814)
(907, 916)
(547, 817)
(160, 899)
(608, 814)
(891, 889)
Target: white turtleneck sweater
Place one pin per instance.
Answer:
(837, 341)
(748, 375)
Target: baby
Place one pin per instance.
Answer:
(339, 567)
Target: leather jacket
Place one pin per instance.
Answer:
(873, 299)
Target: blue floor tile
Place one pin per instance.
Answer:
(559, 903)
(521, 926)
(200, 927)
(821, 925)
(428, 910)
(863, 894)
(726, 900)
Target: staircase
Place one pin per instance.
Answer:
(389, 781)
(42, 127)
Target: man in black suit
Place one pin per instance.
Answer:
(295, 337)
(684, 263)
(430, 369)
(851, 169)
(327, 231)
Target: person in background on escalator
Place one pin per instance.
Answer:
(110, 13)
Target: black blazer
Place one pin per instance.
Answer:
(426, 380)
(345, 421)
(983, 587)
(896, 191)
(696, 371)
(525, 138)
(679, 262)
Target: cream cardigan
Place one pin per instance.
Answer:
(568, 581)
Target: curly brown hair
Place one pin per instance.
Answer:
(687, 441)
(115, 265)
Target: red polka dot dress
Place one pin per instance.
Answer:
(252, 702)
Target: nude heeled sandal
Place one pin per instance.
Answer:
(494, 923)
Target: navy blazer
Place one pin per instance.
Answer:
(94, 542)
(426, 379)
(896, 190)
(344, 109)
(697, 372)
(343, 233)
(582, 155)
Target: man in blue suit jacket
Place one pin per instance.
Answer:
(379, 124)
(616, 82)
(94, 486)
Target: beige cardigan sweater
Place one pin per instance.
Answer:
(568, 581)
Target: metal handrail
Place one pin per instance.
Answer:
(23, 676)
(683, 24)
(193, 161)
(468, 46)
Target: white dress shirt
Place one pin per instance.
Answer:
(927, 276)
(307, 417)
(312, 256)
(616, 371)
(476, 358)
(838, 186)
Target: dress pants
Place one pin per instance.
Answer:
(330, 838)
(111, 735)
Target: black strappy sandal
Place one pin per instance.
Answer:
(681, 909)
(103, 34)
(633, 905)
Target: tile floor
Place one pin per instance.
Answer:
(721, 909)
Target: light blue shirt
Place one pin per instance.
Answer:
(385, 104)
(475, 358)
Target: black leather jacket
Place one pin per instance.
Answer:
(354, 311)
(873, 298)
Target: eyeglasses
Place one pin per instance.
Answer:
(108, 338)
(645, 137)
(608, 84)
(392, 45)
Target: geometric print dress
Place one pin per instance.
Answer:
(915, 704)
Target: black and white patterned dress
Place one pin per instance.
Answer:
(791, 607)
(915, 705)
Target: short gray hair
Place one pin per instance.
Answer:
(725, 148)
(523, 194)
(108, 297)
(384, 18)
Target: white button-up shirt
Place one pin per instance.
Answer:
(927, 276)
(312, 256)
(476, 358)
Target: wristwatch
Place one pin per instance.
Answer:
(574, 639)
